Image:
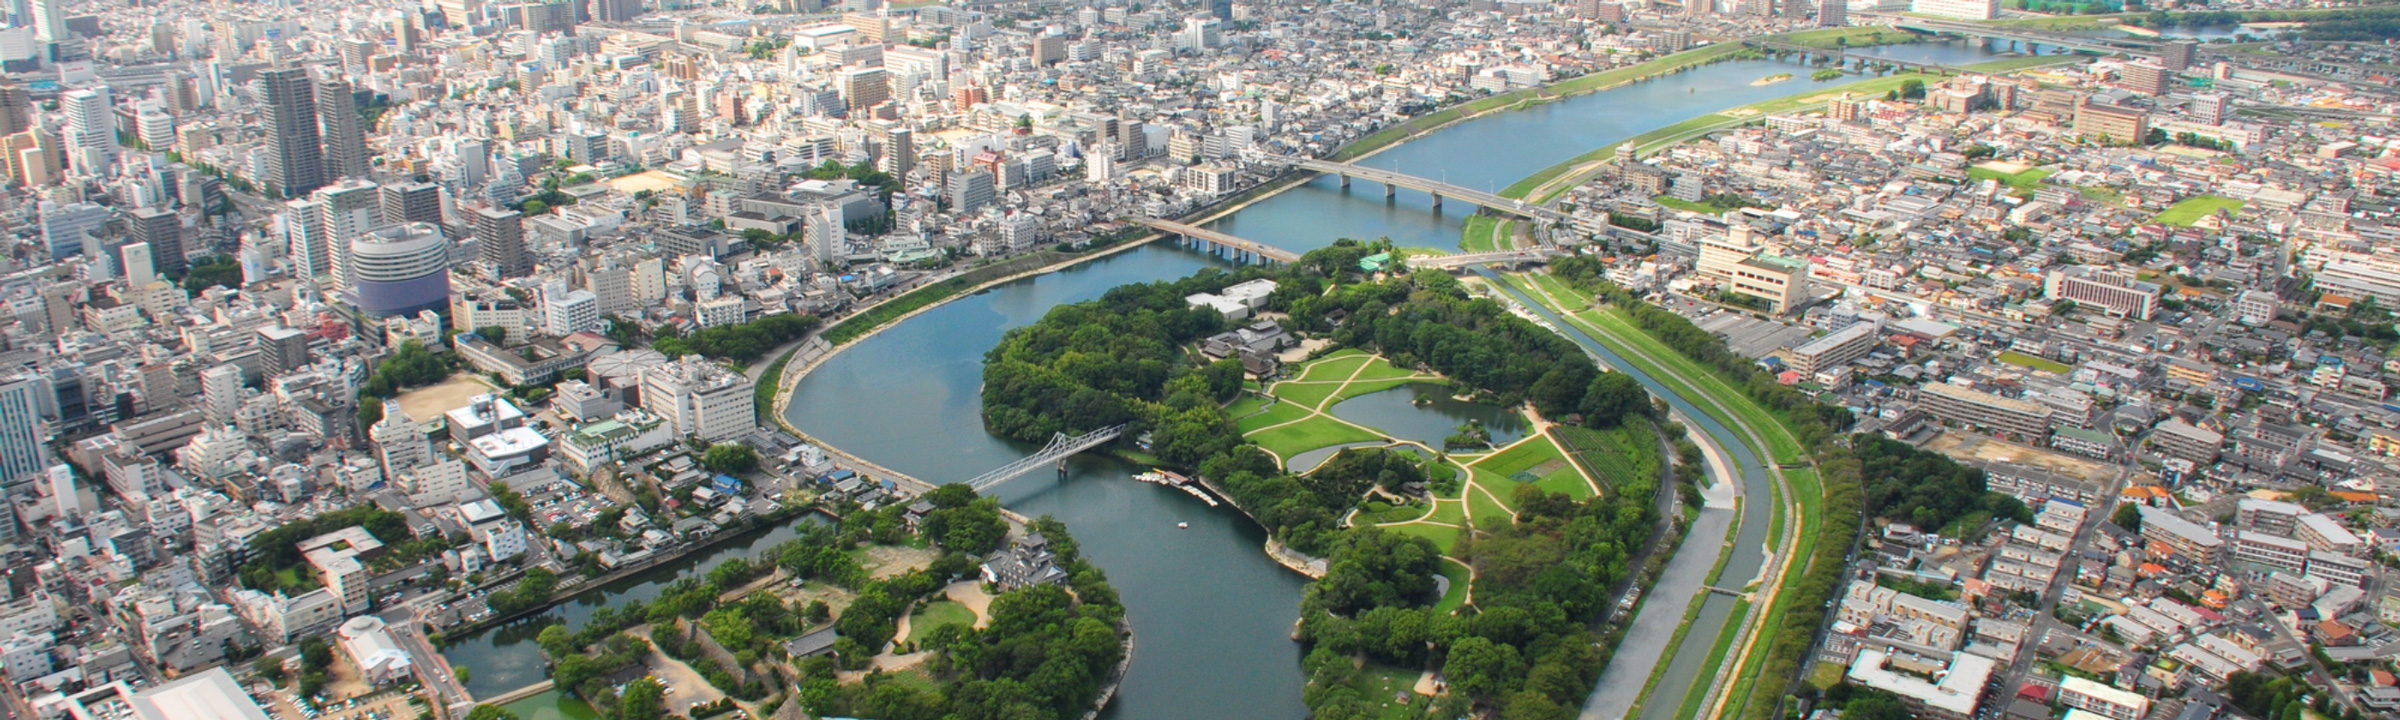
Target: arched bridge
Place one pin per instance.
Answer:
(1061, 446)
(1439, 190)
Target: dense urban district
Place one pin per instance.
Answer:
(1949, 359)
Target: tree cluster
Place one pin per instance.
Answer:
(1044, 655)
(408, 367)
(743, 343)
(1928, 489)
(531, 591)
(277, 550)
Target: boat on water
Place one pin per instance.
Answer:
(1183, 526)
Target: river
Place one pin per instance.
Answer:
(1210, 612)
(1494, 151)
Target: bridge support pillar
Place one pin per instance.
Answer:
(1390, 191)
(1345, 182)
(1437, 201)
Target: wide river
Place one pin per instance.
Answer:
(1211, 613)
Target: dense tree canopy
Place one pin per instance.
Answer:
(1928, 489)
(744, 343)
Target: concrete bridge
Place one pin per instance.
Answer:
(2102, 44)
(1222, 244)
(1392, 180)
(1845, 58)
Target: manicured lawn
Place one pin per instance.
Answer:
(1309, 434)
(1449, 510)
(1366, 387)
(1521, 456)
(2028, 361)
(1305, 394)
(2184, 214)
(1457, 597)
(936, 614)
(1477, 236)
(1245, 406)
(1390, 514)
(1443, 536)
(2029, 61)
(1282, 412)
(1381, 369)
(1336, 366)
(1486, 510)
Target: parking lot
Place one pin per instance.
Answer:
(386, 706)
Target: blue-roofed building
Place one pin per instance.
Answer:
(727, 484)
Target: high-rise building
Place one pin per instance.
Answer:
(1833, 13)
(63, 226)
(344, 132)
(2146, 78)
(399, 443)
(306, 243)
(701, 398)
(2177, 55)
(2114, 123)
(16, 109)
(221, 393)
(49, 22)
(1221, 9)
(2113, 291)
(91, 134)
(864, 88)
(566, 312)
(616, 10)
(412, 202)
(349, 209)
(899, 152)
(1698, 8)
(970, 190)
(1049, 48)
(163, 232)
(2209, 108)
(500, 242)
(284, 349)
(22, 457)
(139, 270)
(400, 270)
(1201, 33)
(295, 160)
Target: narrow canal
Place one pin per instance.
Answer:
(1211, 613)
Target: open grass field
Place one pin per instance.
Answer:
(2028, 361)
(2022, 182)
(1280, 413)
(1389, 692)
(1485, 509)
(1537, 462)
(1444, 537)
(1615, 455)
(1309, 434)
(936, 614)
(1457, 596)
(2191, 210)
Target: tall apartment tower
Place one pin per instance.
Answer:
(1833, 13)
(351, 208)
(864, 88)
(500, 241)
(21, 433)
(295, 160)
(344, 132)
(899, 152)
(412, 202)
(91, 127)
(16, 109)
(163, 232)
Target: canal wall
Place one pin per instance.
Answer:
(655, 560)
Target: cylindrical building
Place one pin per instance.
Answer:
(400, 269)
